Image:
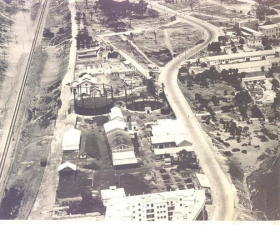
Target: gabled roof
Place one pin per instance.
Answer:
(116, 113)
(118, 137)
(67, 165)
(181, 139)
(114, 124)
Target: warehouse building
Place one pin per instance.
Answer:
(71, 140)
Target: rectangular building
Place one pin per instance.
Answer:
(250, 23)
(272, 30)
(176, 205)
(273, 18)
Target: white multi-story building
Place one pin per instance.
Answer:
(272, 30)
(273, 18)
(254, 41)
(250, 23)
(176, 205)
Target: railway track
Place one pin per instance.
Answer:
(15, 112)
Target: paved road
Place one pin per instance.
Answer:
(221, 186)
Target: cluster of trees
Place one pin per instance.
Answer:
(87, 205)
(242, 99)
(262, 8)
(48, 34)
(83, 39)
(117, 9)
(214, 47)
(205, 104)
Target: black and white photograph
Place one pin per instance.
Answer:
(116, 111)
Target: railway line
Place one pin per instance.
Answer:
(4, 164)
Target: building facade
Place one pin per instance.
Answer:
(273, 18)
(272, 30)
(176, 205)
(250, 23)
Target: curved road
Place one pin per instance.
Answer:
(223, 193)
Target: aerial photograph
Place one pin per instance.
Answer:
(140, 110)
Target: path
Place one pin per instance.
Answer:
(45, 201)
(222, 190)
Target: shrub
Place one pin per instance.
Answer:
(227, 153)
(244, 151)
(92, 166)
(236, 150)
(226, 144)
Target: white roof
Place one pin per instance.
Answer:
(240, 55)
(203, 180)
(71, 140)
(246, 66)
(123, 155)
(67, 165)
(113, 124)
(168, 127)
(112, 193)
(124, 158)
(124, 161)
(172, 151)
(116, 113)
(191, 203)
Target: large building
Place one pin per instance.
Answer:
(119, 140)
(169, 137)
(112, 192)
(240, 57)
(246, 67)
(272, 30)
(250, 23)
(273, 18)
(71, 140)
(85, 85)
(254, 41)
(176, 205)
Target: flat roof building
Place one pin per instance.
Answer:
(250, 23)
(176, 205)
(112, 192)
(240, 57)
(203, 180)
(273, 18)
(272, 30)
(71, 140)
(246, 66)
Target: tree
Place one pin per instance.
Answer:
(265, 41)
(256, 112)
(241, 41)
(234, 49)
(91, 14)
(225, 92)
(47, 33)
(275, 84)
(151, 88)
(241, 100)
(189, 84)
(215, 100)
(198, 97)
